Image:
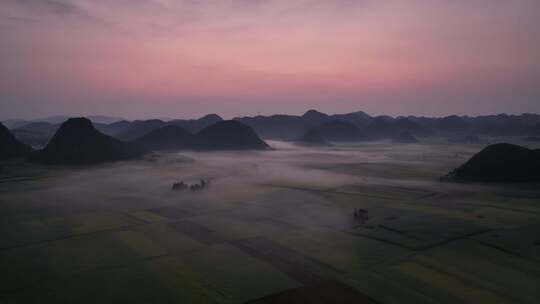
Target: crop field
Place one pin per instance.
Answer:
(272, 227)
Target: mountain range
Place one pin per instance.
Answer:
(77, 141)
(294, 127)
(222, 135)
(290, 127)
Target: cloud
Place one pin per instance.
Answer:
(50, 13)
(57, 7)
(284, 49)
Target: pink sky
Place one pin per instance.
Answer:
(150, 58)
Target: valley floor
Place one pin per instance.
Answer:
(272, 227)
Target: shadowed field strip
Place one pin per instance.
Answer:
(71, 236)
(33, 284)
(328, 292)
(169, 214)
(454, 285)
(426, 196)
(19, 179)
(297, 266)
(527, 211)
(294, 264)
(318, 191)
(197, 232)
(421, 247)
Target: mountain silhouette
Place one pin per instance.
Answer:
(337, 130)
(293, 127)
(195, 125)
(500, 163)
(43, 127)
(452, 123)
(210, 119)
(313, 117)
(168, 138)
(139, 128)
(381, 127)
(464, 139)
(284, 127)
(312, 138)
(405, 124)
(228, 135)
(359, 119)
(35, 133)
(534, 130)
(78, 142)
(10, 147)
(114, 128)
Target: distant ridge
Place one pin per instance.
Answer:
(36, 134)
(210, 119)
(381, 127)
(196, 125)
(168, 138)
(315, 117)
(464, 139)
(136, 129)
(58, 119)
(10, 147)
(338, 131)
(78, 142)
(139, 128)
(293, 127)
(312, 138)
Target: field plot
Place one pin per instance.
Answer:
(272, 227)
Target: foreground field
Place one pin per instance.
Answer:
(272, 227)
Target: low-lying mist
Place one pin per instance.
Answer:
(237, 177)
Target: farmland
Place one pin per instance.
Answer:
(270, 224)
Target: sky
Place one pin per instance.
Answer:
(186, 58)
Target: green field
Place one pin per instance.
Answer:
(272, 225)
